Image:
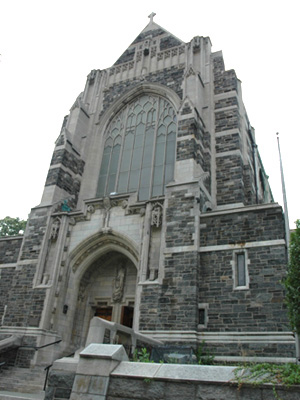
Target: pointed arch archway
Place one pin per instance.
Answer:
(102, 281)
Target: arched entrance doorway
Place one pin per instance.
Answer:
(107, 290)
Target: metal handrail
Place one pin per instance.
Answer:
(36, 348)
(47, 371)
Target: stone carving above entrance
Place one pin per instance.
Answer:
(119, 282)
(156, 215)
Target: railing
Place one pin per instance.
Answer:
(48, 368)
(36, 348)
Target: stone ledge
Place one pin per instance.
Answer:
(182, 372)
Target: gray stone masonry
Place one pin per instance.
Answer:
(60, 385)
(249, 225)
(171, 77)
(228, 143)
(226, 120)
(172, 306)
(229, 177)
(179, 219)
(260, 307)
(69, 160)
(6, 279)
(106, 377)
(25, 304)
(9, 249)
(34, 234)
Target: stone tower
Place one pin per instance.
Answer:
(156, 214)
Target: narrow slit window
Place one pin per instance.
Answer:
(240, 270)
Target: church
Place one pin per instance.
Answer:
(156, 214)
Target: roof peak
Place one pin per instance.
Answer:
(151, 25)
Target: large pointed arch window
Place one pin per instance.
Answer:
(139, 150)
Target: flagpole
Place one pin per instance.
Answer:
(286, 216)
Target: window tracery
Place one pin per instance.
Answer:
(139, 150)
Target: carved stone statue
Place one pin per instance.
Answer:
(107, 207)
(156, 216)
(55, 229)
(119, 283)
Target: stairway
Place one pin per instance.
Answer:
(22, 383)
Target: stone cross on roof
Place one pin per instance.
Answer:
(151, 16)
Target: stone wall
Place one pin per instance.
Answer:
(34, 234)
(25, 303)
(259, 307)
(124, 388)
(104, 373)
(9, 249)
(242, 226)
(171, 77)
(6, 279)
(9, 253)
(173, 304)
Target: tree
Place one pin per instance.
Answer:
(292, 285)
(12, 226)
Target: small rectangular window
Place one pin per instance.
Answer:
(240, 269)
(202, 315)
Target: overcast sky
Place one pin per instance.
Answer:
(49, 47)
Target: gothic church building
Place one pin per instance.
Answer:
(156, 214)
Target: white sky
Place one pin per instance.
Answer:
(49, 47)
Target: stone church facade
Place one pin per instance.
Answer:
(156, 214)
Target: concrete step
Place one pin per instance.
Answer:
(22, 380)
(4, 395)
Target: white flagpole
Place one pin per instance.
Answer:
(286, 215)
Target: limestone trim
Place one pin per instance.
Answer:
(228, 132)
(222, 337)
(240, 208)
(217, 110)
(8, 238)
(262, 243)
(187, 137)
(98, 244)
(128, 97)
(229, 153)
(180, 249)
(221, 96)
(8, 265)
(27, 262)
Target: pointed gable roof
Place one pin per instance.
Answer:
(151, 32)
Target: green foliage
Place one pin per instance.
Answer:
(258, 374)
(12, 226)
(204, 357)
(141, 355)
(292, 280)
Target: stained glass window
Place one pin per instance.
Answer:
(139, 150)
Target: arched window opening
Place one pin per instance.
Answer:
(139, 151)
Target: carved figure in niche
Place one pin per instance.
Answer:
(119, 283)
(107, 207)
(156, 215)
(55, 229)
(81, 293)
